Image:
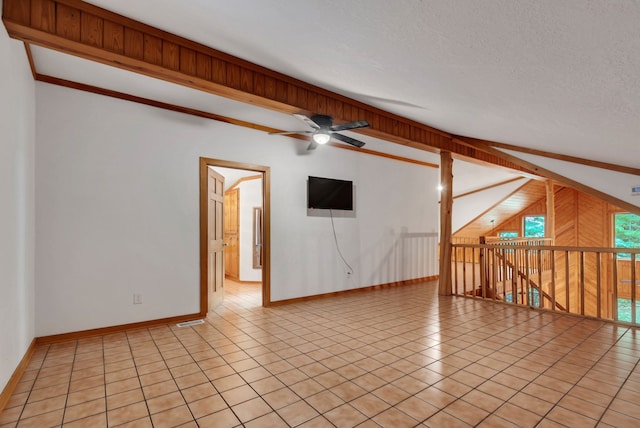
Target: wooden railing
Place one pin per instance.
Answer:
(494, 240)
(470, 257)
(594, 282)
(517, 241)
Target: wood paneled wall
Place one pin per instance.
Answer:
(581, 220)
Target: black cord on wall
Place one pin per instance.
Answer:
(335, 237)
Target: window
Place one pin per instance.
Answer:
(508, 234)
(534, 226)
(624, 309)
(626, 235)
(627, 232)
(534, 298)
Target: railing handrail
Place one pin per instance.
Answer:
(511, 241)
(555, 248)
(466, 239)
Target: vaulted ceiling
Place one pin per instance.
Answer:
(546, 87)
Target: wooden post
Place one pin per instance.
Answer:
(550, 221)
(484, 271)
(446, 206)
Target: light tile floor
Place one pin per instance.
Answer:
(396, 357)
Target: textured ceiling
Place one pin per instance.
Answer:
(557, 76)
(560, 76)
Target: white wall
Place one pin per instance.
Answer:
(250, 197)
(117, 212)
(17, 110)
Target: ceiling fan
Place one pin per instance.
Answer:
(324, 129)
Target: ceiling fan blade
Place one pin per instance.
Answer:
(306, 120)
(312, 145)
(290, 132)
(322, 120)
(347, 140)
(350, 125)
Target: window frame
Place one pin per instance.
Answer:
(620, 256)
(524, 225)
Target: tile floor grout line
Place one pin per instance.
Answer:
(416, 339)
(538, 347)
(461, 398)
(328, 389)
(133, 358)
(24, 405)
(584, 375)
(406, 374)
(501, 371)
(556, 404)
(210, 381)
(66, 398)
(621, 386)
(236, 372)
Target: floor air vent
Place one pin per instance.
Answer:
(190, 323)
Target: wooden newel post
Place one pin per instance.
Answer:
(446, 205)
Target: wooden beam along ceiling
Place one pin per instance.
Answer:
(199, 113)
(81, 29)
(479, 144)
(486, 147)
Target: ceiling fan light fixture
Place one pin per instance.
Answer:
(321, 137)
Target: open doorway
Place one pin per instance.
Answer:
(234, 233)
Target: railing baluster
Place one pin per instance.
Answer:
(464, 271)
(553, 279)
(483, 268)
(454, 253)
(540, 291)
(581, 285)
(473, 272)
(522, 271)
(598, 296)
(494, 273)
(504, 271)
(525, 283)
(633, 288)
(567, 286)
(615, 286)
(526, 271)
(515, 277)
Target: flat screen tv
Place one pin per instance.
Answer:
(329, 194)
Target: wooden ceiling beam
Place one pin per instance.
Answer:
(489, 187)
(199, 113)
(558, 156)
(87, 31)
(486, 147)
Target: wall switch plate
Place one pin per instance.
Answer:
(137, 299)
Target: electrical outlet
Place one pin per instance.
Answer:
(137, 299)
